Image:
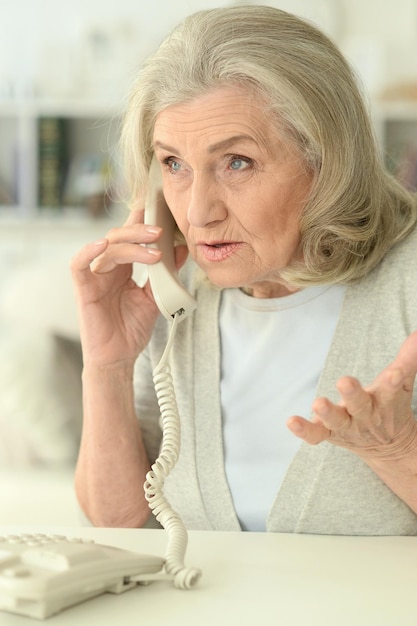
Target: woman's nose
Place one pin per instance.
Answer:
(206, 204)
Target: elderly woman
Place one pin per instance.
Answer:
(294, 377)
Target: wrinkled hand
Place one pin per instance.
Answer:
(375, 422)
(116, 315)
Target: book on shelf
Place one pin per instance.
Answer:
(52, 160)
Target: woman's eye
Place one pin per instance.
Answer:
(172, 165)
(239, 164)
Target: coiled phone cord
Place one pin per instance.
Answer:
(184, 578)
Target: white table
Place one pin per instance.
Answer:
(257, 578)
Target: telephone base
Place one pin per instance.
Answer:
(41, 575)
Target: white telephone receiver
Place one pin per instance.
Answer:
(170, 296)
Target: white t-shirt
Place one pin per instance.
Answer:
(273, 351)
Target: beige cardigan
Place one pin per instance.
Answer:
(326, 490)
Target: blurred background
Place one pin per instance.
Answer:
(65, 69)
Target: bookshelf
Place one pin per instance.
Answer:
(54, 156)
(35, 232)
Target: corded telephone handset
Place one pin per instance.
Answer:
(175, 303)
(41, 575)
(170, 296)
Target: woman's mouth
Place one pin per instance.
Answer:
(219, 251)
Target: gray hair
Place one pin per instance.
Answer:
(356, 210)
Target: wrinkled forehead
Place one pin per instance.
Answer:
(215, 116)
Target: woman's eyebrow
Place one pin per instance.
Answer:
(229, 142)
(164, 146)
(215, 147)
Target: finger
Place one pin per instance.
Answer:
(135, 233)
(357, 401)
(126, 247)
(396, 382)
(310, 432)
(334, 417)
(124, 254)
(392, 389)
(80, 263)
(406, 359)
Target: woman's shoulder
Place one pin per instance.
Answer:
(394, 279)
(402, 256)
(407, 245)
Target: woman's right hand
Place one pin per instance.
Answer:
(116, 316)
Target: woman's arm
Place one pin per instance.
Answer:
(116, 319)
(112, 461)
(375, 422)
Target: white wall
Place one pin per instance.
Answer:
(47, 35)
(44, 43)
(381, 40)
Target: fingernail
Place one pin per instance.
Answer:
(154, 251)
(100, 242)
(154, 230)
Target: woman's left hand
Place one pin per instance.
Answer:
(376, 422)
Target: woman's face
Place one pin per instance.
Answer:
(235, 189)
